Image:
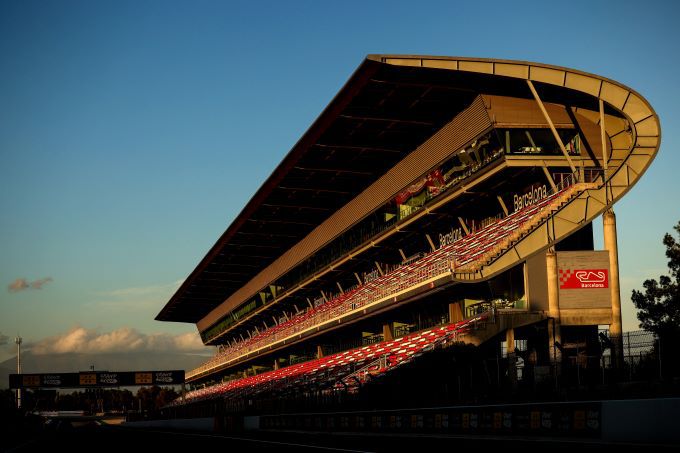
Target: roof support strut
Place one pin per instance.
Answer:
(549, 177)
(605, 158)
(552, 126)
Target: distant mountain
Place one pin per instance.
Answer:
(74, 362)
(5, 371)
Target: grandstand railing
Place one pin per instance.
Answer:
(427, 269)
(566, 189)
(363, 374)
(343, 371)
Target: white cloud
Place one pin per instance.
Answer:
(144, 298)
(21, 284)
(140, 291)
(126, 339)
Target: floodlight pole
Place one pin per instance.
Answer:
(18, 341)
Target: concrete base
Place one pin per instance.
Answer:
(648, 420)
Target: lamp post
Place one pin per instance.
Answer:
(18, 341)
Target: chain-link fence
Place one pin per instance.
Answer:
(643, 359)
(641, 352)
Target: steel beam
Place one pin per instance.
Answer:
(551, 124)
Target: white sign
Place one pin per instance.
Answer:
(52, 379)
(449, 238)
(530, 197)
(164, 376)
(370, 276)
(108, 378)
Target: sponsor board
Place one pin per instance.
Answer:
(583, 279)
(368, 277)
(88, 379)
(51, 380)
(164, 377)
(96, 379)
(109, 378)
(31, 380)
(143, 378)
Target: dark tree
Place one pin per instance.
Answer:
(154, 398)
(659, 306)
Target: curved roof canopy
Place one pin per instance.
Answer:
(389, 106)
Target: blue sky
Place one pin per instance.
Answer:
(132, 133)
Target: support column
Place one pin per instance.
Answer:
(510, 339)
(527, 295)
(554, 331)
(512, 357)
(455, 313)
(610, 244)
(276, 364)
(319, 351)
(387, 332)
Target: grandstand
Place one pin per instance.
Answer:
(344, 371)
(437, 202)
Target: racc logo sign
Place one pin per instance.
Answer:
(583, 278)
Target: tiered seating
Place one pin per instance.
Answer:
(489, 242)
(475, 246)
(344, 371)
(282, 330)
(468, 254)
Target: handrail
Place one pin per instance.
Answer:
(523, 229)
(361, 373)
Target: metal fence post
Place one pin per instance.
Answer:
(660, 365)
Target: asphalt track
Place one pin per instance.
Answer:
(93, 437)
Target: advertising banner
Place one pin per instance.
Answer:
(97, 379)
(584, 279)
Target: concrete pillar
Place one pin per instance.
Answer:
(610, 244)
(455, 313)
(319, 351)
(387, 332)
(554, 331)
(527, 296)
(510, 340)
(512, 357)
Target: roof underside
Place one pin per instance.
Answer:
(382, 114)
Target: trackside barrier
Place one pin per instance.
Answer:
(645, 420)
(649, 421)
(190, 424)
(547, 419)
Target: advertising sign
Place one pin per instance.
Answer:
(88, 379)
(109, 379)
(143, 378)
(584, 279)
(31, 380)
(96, 379)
